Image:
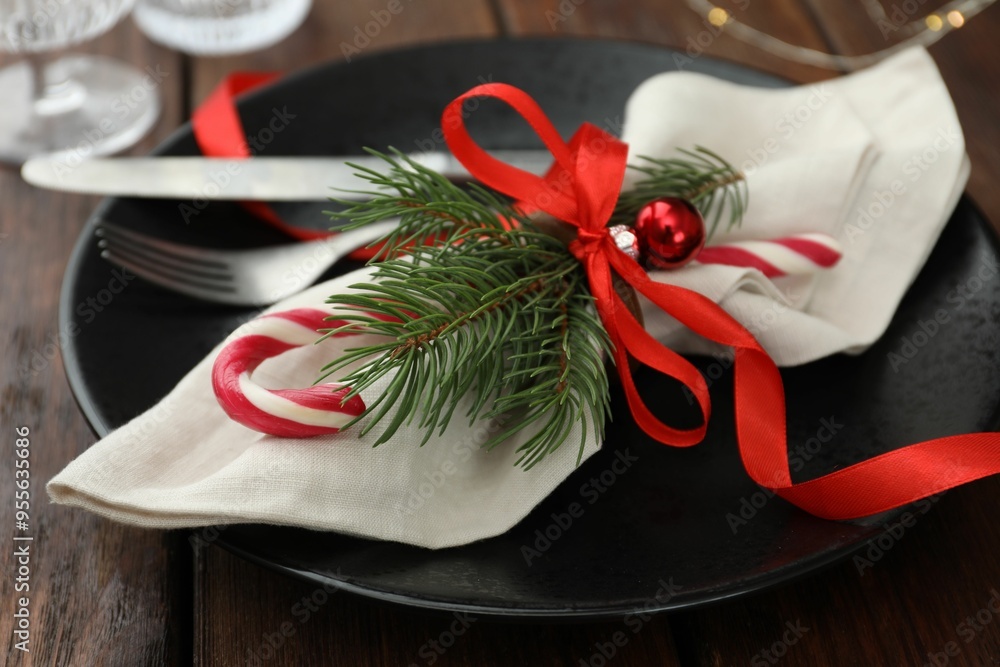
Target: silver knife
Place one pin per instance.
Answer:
(256, 178)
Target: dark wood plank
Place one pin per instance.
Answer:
(100, 593)
(907, 599)
(294, 623)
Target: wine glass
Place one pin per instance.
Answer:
(75, 106)
(219, 27)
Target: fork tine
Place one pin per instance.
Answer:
(165, 271)
(202, 256)
(172, 284)
(251, 277)
(165, 277)
(125, 248)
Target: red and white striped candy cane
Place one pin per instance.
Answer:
(792, 255)
(292, 413)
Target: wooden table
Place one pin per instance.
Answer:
(102, 593)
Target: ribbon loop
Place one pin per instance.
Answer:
(575, 190)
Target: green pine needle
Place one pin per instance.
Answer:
(467, 306)
(715, 187)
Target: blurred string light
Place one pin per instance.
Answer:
(934, 22)
(918, 31)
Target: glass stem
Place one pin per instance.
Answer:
(39, 84)
(53, 90)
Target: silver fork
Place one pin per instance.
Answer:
(255, 277)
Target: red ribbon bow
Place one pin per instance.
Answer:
(581, 189)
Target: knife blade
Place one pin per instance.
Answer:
(257, 178)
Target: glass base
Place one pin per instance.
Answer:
(91, 106)
(213, 28)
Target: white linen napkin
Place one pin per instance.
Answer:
(185, 463)
(815, 156)
(875, 159)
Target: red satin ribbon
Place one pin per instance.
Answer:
(581, 189)
(218, 131)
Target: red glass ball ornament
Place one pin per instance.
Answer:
(671, 232)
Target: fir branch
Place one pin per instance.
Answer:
(706, 180)
(426, 203)
(470, 305)
(471, 299)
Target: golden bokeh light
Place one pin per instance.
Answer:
(718, 16)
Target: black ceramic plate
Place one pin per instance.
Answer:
(669, 517)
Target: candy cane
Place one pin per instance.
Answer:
(292, 413)
(792, 255)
